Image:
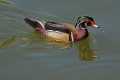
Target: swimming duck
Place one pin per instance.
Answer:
(61, 31)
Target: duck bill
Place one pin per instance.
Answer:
(95, 26)
(31, 22)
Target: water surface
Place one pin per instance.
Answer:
(24, 57)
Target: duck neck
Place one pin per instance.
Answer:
(81, 32)
(83, 26)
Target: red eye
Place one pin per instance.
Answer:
(89, 23)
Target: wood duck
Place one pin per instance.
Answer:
(61, 31)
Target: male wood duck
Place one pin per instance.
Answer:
(61, 31)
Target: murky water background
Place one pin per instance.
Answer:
(24, 57)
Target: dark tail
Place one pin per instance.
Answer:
(31, 22)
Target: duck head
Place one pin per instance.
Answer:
(84, 21)
(81, 27)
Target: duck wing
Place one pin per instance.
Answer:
(55, 26)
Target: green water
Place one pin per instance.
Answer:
(24, 56)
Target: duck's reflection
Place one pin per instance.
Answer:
(84, 47)
(85, 51)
